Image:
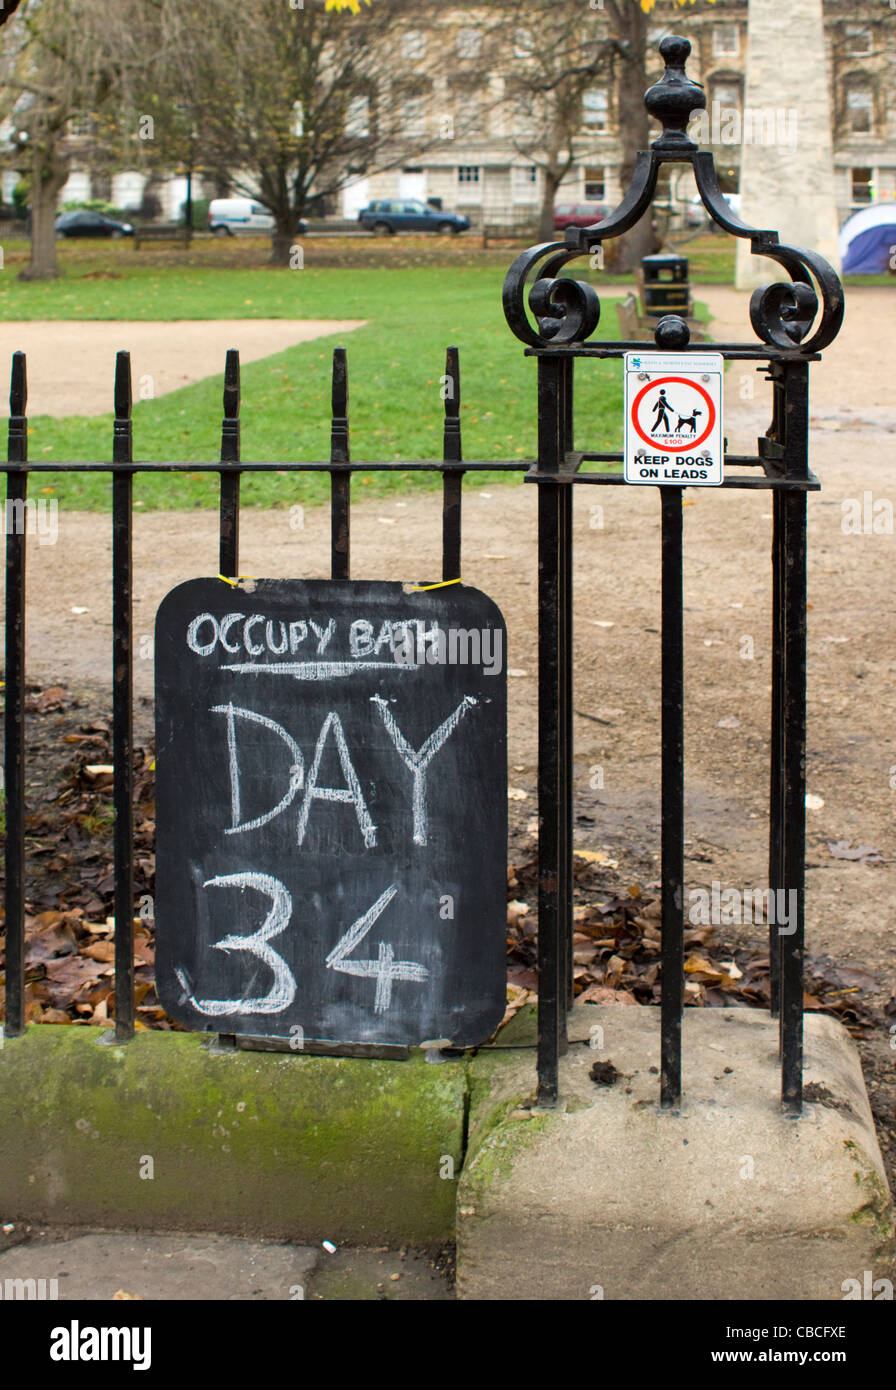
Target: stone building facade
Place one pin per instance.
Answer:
(474, 160)
(463, 138)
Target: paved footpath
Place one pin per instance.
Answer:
(103, 1265)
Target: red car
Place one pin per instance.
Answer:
(577, 215)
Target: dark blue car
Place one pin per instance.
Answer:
(390, 215)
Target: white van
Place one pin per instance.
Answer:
(229, 216)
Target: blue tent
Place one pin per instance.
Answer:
(867, 241)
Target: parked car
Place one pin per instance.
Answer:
(242, 216)
(578, 215)
(389, 215)
(85, 223)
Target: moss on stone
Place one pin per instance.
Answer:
(261, 1143)
(877, 1208)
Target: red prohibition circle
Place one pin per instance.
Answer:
(674, 448)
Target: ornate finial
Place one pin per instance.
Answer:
(671, 332)
(674, 97)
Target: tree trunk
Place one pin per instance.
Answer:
(282, 242)
(48, 176)
(284, 236)
(634, 124)
(546, 216)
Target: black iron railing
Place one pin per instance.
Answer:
(554, 316)
(122, 467)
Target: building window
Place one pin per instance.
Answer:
(858, 108)
(525, 126)
(727, 94)
(80, 125)
(523, 43)
(524, 183)
(471, 117)
(863, 186)
(725, 41)
(413, 44)
(858, 40)
(357, 117)
(594, 108)
(885, 184)
(595, 184)
(413, 116)
(468, 173)
(469, 43)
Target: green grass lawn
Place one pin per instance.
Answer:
(419, 295)
(395, 365)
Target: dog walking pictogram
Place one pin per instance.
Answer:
(688, 421)
(661, 408)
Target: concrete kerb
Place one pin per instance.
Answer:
(164, 1134)
(610, 1197)
(606, 1196)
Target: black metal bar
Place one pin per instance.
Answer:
(273, 466)
(735, 352)
(766, 484)
(122, 682)
(776, 752)
(452, 481)
(551, 981)
(795, 385)
(672, 798)
(14, 712)
(229, 541)
(567, 966)
(794, 859)
(340, 479)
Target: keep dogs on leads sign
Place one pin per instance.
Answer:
(673, 418)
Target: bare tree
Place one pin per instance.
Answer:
(556, 54)
(61, 60)
(576, 52)
(289, 103)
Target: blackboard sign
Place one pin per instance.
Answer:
(331, 776)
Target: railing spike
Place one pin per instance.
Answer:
(232, 384)
(18, 385)
(123, 395)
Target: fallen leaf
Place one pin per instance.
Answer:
(100, 950)
(841, 849)
(593, 856)
(599, 994)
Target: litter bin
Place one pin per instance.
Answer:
(666, 287)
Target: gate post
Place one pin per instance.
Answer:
(555, 316)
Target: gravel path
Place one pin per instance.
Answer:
(71, 364)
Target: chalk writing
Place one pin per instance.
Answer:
(331, 811)
(418, 762)
(283, 990)
(385, 968)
